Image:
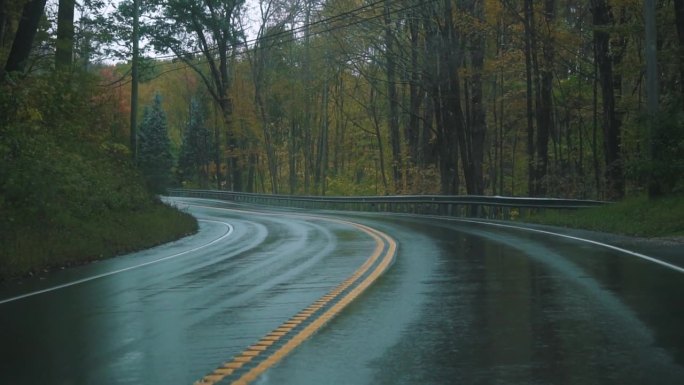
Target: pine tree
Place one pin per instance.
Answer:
(155, 159)
(195, 152)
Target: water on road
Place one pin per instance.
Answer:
(461, 303)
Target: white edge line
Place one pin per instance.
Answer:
(632, 253)
(619, 249)
(80, 281)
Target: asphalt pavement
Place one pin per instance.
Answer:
(456, 302)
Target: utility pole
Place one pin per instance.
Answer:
(134, 81)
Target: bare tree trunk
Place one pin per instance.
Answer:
(308, 99)
(453, 134)
(431, 114)
(251, 172)
(501, 137)
(23, 39)
(4, 24)
(322, 160)
(216, 152)
(233, 142)
(611, 120)
(594, 132)
(437, 61)
(308, 154)
(340, 126)
(270, 152)
(292, 157)
(233, 175)
(655, 186)
(531, 175)
(545, 118)
(393, 99)
(258, 66)
(134, 81)
(378, 137)
(425, 150)
(478, 125)
(679, 21)
(413, 128)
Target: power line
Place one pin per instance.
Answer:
(291, 33)
(293, 37)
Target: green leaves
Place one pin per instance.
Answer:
(195, 153)
(154, 156)
(61, 177)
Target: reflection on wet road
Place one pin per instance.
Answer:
(462, 303)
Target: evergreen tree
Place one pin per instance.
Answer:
(195, 152)
(155, 159)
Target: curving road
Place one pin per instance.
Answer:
(456, 302)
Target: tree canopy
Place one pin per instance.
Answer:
(154, 159)
(194, 157)
(507, 97)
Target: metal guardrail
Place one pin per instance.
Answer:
(450, 205)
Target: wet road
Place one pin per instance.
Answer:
(461, 302)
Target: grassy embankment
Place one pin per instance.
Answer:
(640, 217)
(30, 250)
(68, 192)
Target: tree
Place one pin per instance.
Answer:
(477, 126)
(393, 97)
(607, 55)
(135, 61)
(529, 53)
(194, 159)
(679, 22)
(332, 95)
(154, 158)
(265, 58)
(65, 34)
(23, 39)
(545, 125)
(204, 32)
(451, 137)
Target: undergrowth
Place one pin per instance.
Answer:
(68, 191)
(662, 217)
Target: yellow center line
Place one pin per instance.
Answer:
(262, 346)
(242, 359)
(320, 321)
(258, 347)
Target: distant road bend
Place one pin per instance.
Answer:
(273, 296)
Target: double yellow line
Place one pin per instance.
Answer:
(315, 316)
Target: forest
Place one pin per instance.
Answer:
(69, 192)
(557, 98)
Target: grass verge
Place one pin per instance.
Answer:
(663, 217)
(39, 249)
